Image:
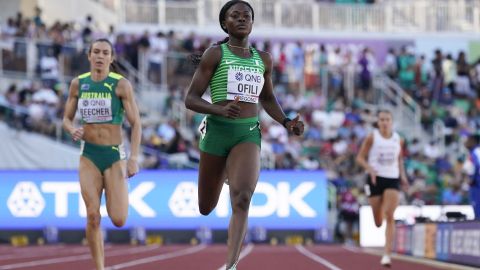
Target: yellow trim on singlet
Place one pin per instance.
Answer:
(115, 75)
(84, 75)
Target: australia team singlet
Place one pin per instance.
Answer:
(97, 101)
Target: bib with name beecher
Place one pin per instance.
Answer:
(245, 84)
(95, 108)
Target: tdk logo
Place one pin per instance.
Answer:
(184, 200)
(279, 200)
(26, 200)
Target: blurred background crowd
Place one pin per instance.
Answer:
(330, 85)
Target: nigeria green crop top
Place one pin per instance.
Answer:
(237, 77)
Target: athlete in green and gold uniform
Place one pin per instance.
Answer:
(103, 98)
(98, 103)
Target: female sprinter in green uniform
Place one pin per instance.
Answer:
(103, 97)
(239, 77)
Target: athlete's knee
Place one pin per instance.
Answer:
(241, 200)
(378, 220)
(389, 216)
(206, 209)
(93, 219)
(118, 220)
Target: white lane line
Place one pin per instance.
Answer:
(351, 249)
(22, 250)
(75, 258)
(316, 258)
(41, 253)
(156, 258)
(243, 254)
(418, 260)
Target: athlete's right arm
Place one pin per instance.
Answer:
(193, 101)
(363, 154)
(70, 109)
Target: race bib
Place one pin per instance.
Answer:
(95, 110)
(386, 159)
(202, 128)
(246, 85)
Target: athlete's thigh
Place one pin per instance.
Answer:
(390, 200)
(243, 167)
(116, 189)
(211, 176)
(91, 183)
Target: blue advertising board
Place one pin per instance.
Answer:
(443, 241)
(162, 200)
(465, 243)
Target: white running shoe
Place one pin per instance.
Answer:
(234, 266)
(386, 261)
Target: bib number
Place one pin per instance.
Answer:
(246, 85)
(202, 128)
(95, 110)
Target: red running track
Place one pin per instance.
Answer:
(254, 257)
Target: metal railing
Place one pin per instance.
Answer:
(406, 111)
(387, 16)
(384, 94)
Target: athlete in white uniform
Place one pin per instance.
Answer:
(383, 150)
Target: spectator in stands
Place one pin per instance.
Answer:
(158, 50)
(9, 30)
(406, 67)
(296, 65)
(88, 29)
(452, 195)
(421, 74)
(49, 68)
(349, 214)
(37, 19)
(449, 68)
(11, 96)
(473, 145)
(462, 84)
(365, 73)
(437, 82)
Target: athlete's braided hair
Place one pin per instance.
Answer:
(226, 7)
(196, 57)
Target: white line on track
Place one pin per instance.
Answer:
(317, 258)
(351, 249)
(76, 258)
(10, 250)
(41, 253)
(156, 258)
(243, 254)
(424, 261)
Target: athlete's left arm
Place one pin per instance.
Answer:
(401, 165)
(269, 101)
(125, 92)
